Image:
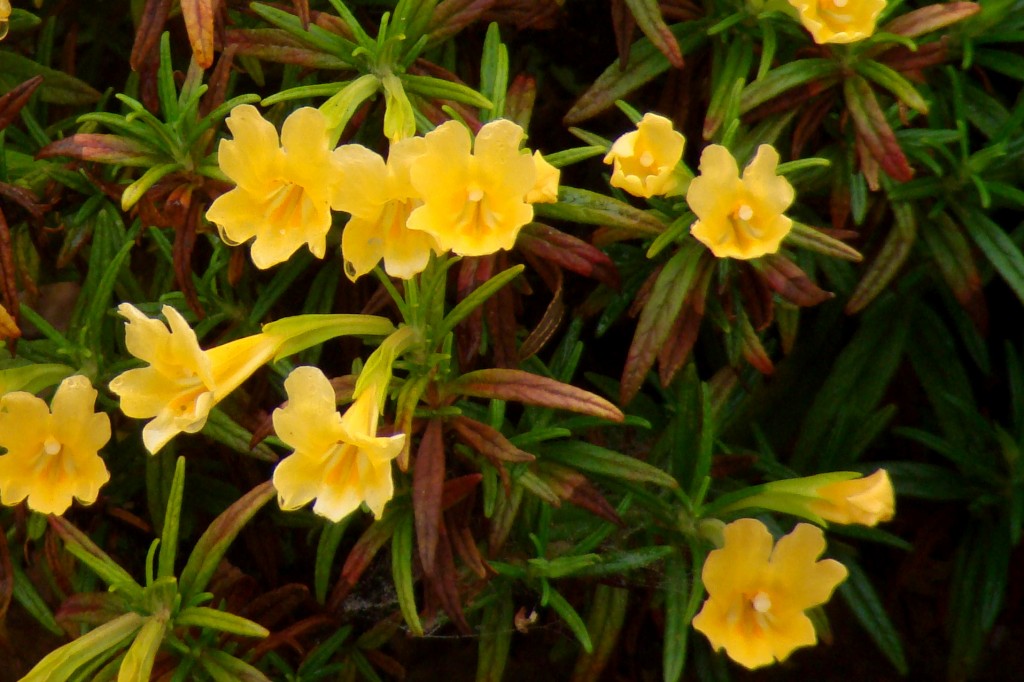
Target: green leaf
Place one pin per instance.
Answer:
(436, 88)
(57, 87)
(583, 206)
(787, 77)
(138, 662)
(571, 618)
(172, 520)
(495, 638)
(999, 249)
(604, 462)
(401, 572)
(859, 594)
(326, 550)
(210, 548)
(475, 299)
(214, 619)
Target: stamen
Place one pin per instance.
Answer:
(646, 159)
(761, 602)
(51, 445)
(475, 194)
(840, 3)
(745, 212)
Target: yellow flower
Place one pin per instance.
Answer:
(53, 455)
(339, 460)
(283, 189)
(380, 198)
(182, 382)
(740, 218)
(474, 202)
(868, 500)
(757, 595)
(644, 160)
(839, 21)
(545, 188)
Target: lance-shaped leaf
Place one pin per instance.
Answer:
(892, 81)
(658, 317)
(277, 45)
(495, 638)
(214, 542)
(996, 244)
(16, 98)
(362, 553)
(811, 238)
(873, 130)
(924, 20)
(646, 63)
(401, 574)
(750, 345)
(600, 461)
(214, 619)
(952, 253)
(61, 663)
(443, 581)
(57, 86)
(787, 77)
(147, 37)
(427, 486)
(102, 148)
(92, 608)
(532, 389)
(683, 335)
(789, 281)
(894, 252)
(583, 206)
(604, 623)
(6, 577)
(199, 16)
(79, 544)
(648, 18)
(490, 443)
(573, 487)
(568, 252)
(138, 661)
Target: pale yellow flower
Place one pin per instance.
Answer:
(839, 21)
(182, 382)
(52, 453)
(283, 188)
(757, 595)
(868, 500)
(474, 201)
(545, 188)
(380, 198)
(740, 218)
(339, 460)
(644, 161)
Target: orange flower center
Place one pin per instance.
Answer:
(288, 205)
(52, 446)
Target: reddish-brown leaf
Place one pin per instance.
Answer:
(873, 129)
(752, 348)
(147, 37)
(519, 101)
(302, 12)
(12, 101)
(469, 333)
(568, 252)
(575, 488)
(677, 347)
(276, 45)
(532, 389)
(99, 147)
(25, 198)
(184, 245)
(443, 580)
(6, 577)
(789, 281)
(624, 25)
(931, 18)
(357, 561)
(451, 16)
(500, 312)
(458, 489)
(198, 15)
(8, 271)
(427, 490)
(547, 326)
(90, 608)
(457, 521)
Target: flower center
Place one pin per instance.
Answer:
(646, 159)
(840, 3)
(285, 205)
(761, 602)
(52, 446)
(475, 194)
(741, 219)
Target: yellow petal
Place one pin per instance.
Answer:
(310, 422)
(804, 581)
(545, 187)
(237, 216)
(297, 479)
(252, 156)
(772, 191)
(362, 185)
(741, 560)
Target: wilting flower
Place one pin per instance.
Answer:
(839, 21)
(757, 595)
(740, 218)
(339, 459)
(380, 198)
(545, 187)
(645, 160)
(283, 188)
(182, 382)
(474, 202)
(53, 454)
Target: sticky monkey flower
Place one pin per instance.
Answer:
(644, 161)
(338, 460)
(757, 593)
(839, 21)
(740, 217)
(380, 197)
(283, 187)
(52, 452)
(474, 194)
